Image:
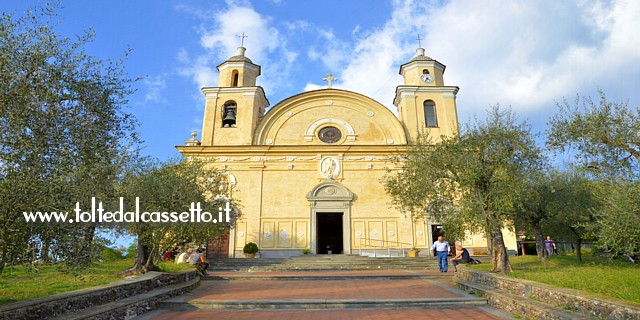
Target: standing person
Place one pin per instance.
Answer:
(462, 256)
(549, 244)
(441, 249)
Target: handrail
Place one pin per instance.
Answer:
(367, 243)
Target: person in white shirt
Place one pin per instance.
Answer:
(441, 249)
(184, 257)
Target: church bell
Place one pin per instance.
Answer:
(229, 119)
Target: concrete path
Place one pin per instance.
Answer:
(384, 294)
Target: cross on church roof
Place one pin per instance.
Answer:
(419, 43)
(329, 79)
(242, 39)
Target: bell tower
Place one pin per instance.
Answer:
(234, 108)
(424, 103)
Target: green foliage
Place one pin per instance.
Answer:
(19, 283)
(469, 181)
(172, 187)
(250, 248)
(132, 251)
(110, 254)
(306, 251)
(608, 278)
(63, 132)
(560, 203)
(617, 224)
(606, 135)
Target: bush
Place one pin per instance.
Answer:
(250, 248)
(306, 251)
(110, 254)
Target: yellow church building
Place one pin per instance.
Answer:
(308, 171)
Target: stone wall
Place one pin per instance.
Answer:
(56, 305)
(568, 299)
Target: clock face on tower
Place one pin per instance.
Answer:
(426, 78)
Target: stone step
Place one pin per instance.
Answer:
(130, 307)
(315, 304)
(323, 268)
(329, 277)
(520, 306)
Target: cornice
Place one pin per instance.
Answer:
(292, 153)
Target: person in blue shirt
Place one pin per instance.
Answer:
(549, 245)
(441, 249)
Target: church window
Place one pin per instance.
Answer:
(430, 118)
(329, 134)
(425, 71)
(234, 78)
(229, 113)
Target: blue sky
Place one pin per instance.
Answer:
(526, 54)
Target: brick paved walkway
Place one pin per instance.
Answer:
(325, 289)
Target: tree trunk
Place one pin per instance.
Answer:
(44, 251)
(500, 257)
(142, 253)
(144, 257)
(579, 249)
(89, 234)
(540, 250)
(3, 256)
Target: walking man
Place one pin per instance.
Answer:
(441, 249)
(550, 246)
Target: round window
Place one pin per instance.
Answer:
(329, 134)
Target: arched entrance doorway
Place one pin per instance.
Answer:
(330, 218)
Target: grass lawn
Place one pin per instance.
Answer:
(19, 283)
(616, 279)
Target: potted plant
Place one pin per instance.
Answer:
(250, 249)
(413, 253)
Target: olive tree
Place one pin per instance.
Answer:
(63, 129)
(474, 175)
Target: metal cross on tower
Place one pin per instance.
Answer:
(419, 43)
(242, 39)
(329, 79)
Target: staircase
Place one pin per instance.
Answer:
(324, 262)
(325, 287)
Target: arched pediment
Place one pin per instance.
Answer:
(330, 190)
(360, 119)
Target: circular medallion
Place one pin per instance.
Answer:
(329, 134)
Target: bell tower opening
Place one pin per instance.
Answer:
(234, 76)
(430, 118)
(229, 114)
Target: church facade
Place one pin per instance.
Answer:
(308, 172)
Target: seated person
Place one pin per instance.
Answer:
(199, 261)
(462, 256)
(184, 257)
(171, 254)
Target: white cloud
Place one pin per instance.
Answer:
(220, 39)
(154, 87)
(525, 54)
(333, 52)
